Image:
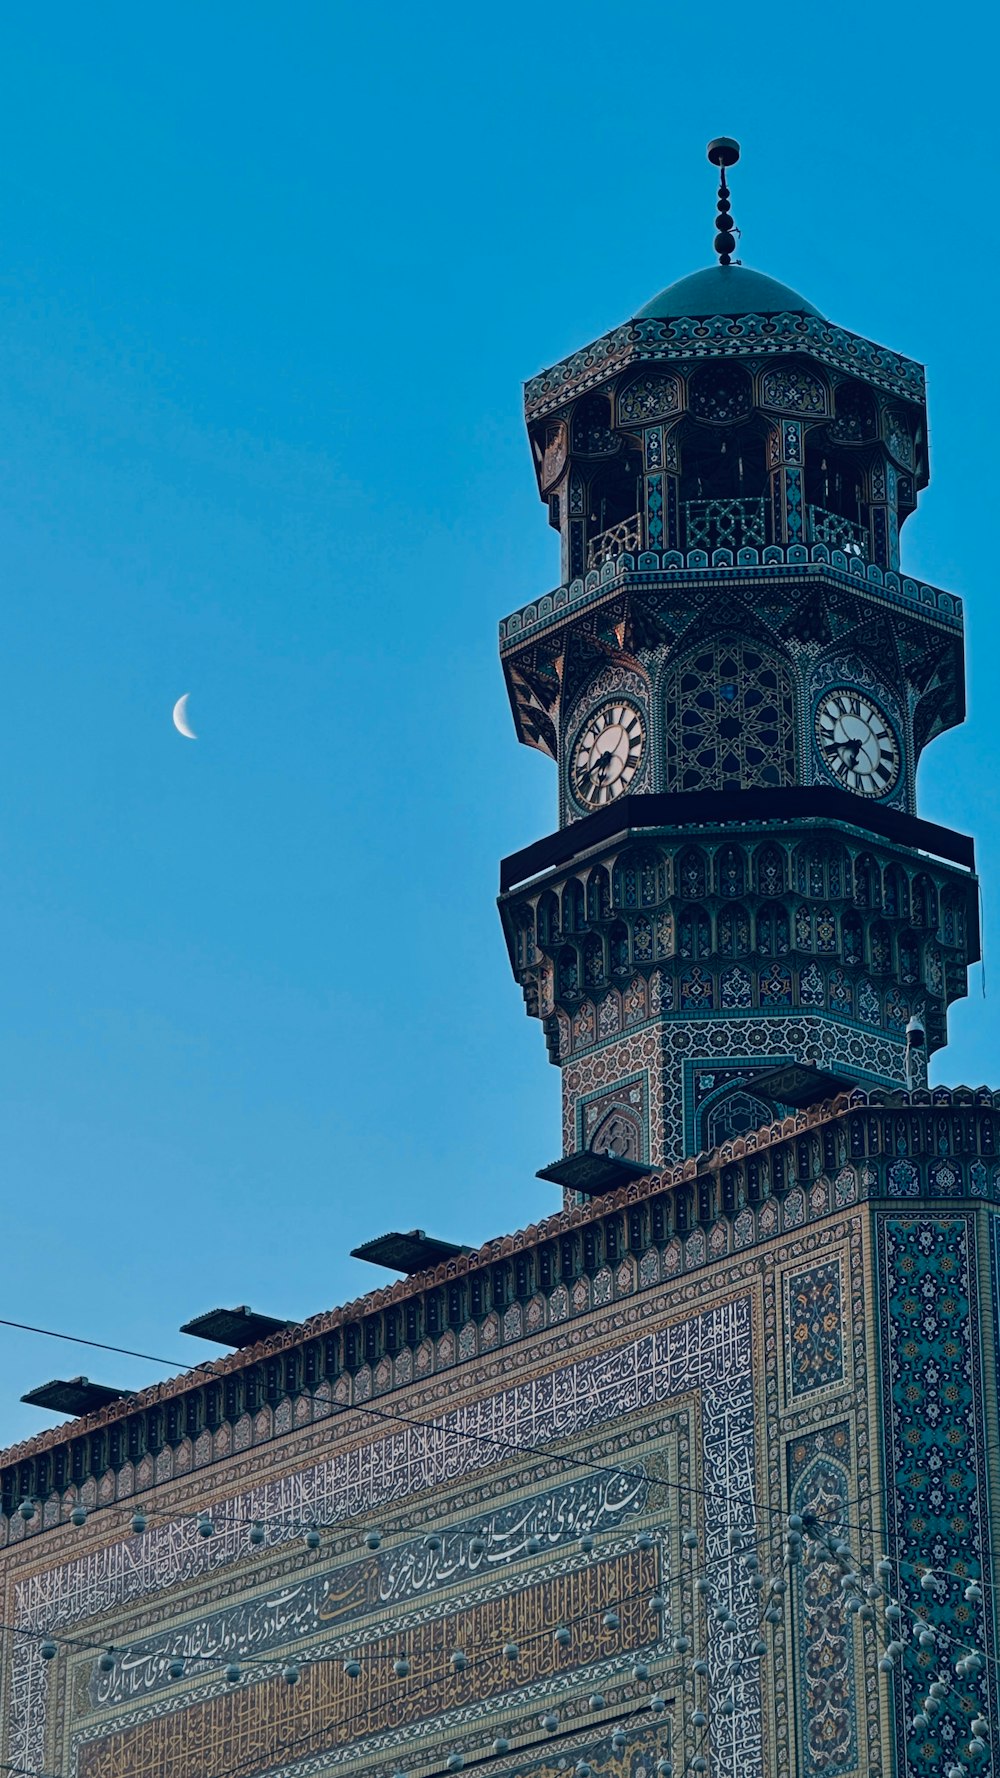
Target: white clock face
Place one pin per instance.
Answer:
(857, 742)
(607, 754)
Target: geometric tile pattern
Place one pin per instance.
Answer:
(672, 1052)
(935, 1457)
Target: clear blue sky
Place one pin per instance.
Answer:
(270, 279)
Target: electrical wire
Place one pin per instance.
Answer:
(175, 1364)
(567, 1459)
(434, 1426)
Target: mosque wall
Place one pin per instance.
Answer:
(558, 1485)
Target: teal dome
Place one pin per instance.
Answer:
(725, 290)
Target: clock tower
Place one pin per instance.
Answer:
(740, 909)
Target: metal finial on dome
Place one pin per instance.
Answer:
(724, 152)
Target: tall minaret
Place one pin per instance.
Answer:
(740, 909)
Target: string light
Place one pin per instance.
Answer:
(596, 1700)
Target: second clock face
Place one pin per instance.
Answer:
(857, 742)
(607, 753)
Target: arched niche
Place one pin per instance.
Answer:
(723, 483)
(620, 1133)
(731, 1112)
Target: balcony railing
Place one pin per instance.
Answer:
(838, 533)
(615, 541)
(730, 524)
(724, 524)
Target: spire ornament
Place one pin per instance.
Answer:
(724, 152)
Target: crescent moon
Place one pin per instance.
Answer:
(180, 718)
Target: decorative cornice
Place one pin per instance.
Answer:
(634, 573)
(702, 1168)
(722, 810)
(721, 336)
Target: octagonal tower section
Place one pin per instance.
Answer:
(735, 681)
